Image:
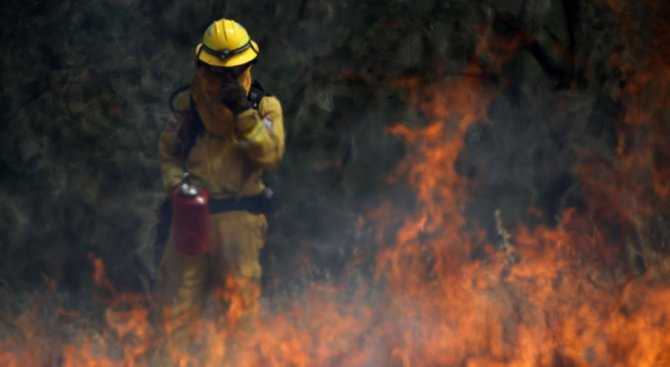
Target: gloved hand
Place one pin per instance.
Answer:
(234, 97)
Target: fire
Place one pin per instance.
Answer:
(567, 295)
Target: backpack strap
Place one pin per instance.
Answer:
(191, 129)
(191, 125)
(173, 97)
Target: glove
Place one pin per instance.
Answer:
(234, 97)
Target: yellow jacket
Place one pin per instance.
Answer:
(230, 164)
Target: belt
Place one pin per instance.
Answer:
(254, 204)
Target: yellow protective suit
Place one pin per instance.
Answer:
(228, 160)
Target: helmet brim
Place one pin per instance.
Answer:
(234, 60)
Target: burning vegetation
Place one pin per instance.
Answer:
(440, 269)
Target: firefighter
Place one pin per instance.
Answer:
(225, 132)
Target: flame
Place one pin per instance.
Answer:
(566, 295)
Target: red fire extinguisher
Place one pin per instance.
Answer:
(190, 218)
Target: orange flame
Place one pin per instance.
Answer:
(561, 296)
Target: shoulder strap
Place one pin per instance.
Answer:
(174, 95)
(192, 127)
(191, 124)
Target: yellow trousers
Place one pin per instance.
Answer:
(231, 271)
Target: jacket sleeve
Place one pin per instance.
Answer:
(172, 168)
(261, 133)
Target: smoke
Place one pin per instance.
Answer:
(84, 96)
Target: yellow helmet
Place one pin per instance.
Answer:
(226, 43)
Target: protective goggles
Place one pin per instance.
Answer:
(225, 73)
(226, 53)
